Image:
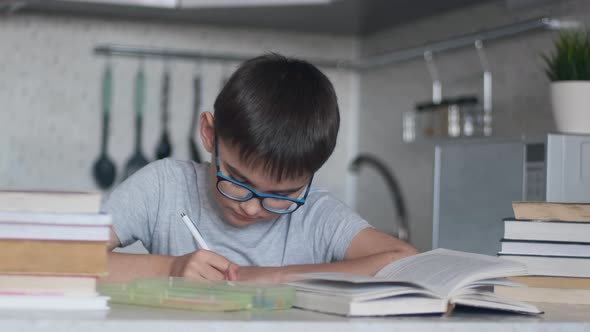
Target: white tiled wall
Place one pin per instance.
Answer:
(50, 86)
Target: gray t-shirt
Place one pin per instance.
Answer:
(147, 207)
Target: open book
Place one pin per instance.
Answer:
(432, 282)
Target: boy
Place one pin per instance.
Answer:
(275, 124)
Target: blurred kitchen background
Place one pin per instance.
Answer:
(50, 83)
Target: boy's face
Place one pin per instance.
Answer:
(242, 214)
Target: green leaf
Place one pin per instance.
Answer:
(571, 57)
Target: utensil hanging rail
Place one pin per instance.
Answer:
(367, 63)
(466, 40)
(147, 52)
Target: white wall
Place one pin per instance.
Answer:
(520, 99)
(50, 81)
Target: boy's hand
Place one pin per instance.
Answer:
(201, 265)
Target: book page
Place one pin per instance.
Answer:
(445, 271)
(358, 292)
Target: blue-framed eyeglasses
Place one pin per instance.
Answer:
(237, 191)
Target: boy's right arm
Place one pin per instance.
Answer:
(200, 264)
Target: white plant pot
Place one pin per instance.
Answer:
(571, 106)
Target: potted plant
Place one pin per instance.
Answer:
(568, 68)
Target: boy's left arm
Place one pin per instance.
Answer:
(368, 252)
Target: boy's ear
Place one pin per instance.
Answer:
(207, 130)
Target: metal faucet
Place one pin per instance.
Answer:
(398, 199)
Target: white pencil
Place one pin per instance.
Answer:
(189, 224)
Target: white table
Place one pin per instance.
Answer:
(143, 319)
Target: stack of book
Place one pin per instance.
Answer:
(52, 250)
(553, 240)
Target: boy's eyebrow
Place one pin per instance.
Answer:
(237, 173)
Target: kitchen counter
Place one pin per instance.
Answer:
(142, 319)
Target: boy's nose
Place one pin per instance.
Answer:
(251, 207)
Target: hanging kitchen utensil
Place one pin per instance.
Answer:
(137, 161)
(486, 121)
(104, 170)
(164, 149)
(194, 151)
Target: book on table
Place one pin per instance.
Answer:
(553, 282)
(428, 283)
(546, 230)
(52, 302)
(60, 285)
(49, 201)
(545, 248)
(570, 211)
(55, 226)
(545, 294)
(549, 289)
(558, 266)
(53, 257)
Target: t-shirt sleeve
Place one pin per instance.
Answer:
(133, 206)
(332, 225)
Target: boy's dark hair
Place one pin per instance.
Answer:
(281, 114)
